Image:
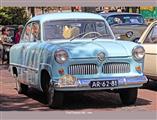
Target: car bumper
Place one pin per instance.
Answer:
(84, 84)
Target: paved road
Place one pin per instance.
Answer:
(103, 101)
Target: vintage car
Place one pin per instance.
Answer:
(126, 26)
(69, 52)
(149, 42)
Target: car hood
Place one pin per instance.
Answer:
(90, 49)
(124, 28)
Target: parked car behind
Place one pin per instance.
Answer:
(126, 26)
(12, 31)
(149, 42)
(63, 52)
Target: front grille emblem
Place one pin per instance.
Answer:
(101, 56)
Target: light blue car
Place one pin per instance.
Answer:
(67, 52)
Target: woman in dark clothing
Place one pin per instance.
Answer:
(18, 34)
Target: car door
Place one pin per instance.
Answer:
(23, 49)
(33, 54)
(150, 45)
(30, 53)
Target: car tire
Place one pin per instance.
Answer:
(128, 96)
(54, 98)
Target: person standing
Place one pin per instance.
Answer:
(5, 35)
(3, 39)
(18, 34)
(4, 43)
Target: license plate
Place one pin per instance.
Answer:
(103, 84)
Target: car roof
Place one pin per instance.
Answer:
(65, 16)
(8, 26)
(117, 13)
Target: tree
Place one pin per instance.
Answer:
(13, 15)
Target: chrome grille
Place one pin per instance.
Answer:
(116, 68)
(82, 69)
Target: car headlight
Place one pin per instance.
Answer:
(61, 56)
(129, 34)
(138, 52)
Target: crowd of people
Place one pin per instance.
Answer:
(6, 41)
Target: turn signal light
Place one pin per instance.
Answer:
(138, 68)
(61, 71)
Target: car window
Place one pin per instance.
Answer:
(31, 32)
(68, 29)
(26, 33)
(11, 32)
(35, 32)
(53, 31)
(125, 19)
(101, 28)
(89, 27)
(152, 36)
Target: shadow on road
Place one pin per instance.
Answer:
(97, 100)
(4, 67)
(72, 101)
(151, 85)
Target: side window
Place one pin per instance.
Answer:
(35, 32)
(101, 28)
(152, 36)
(110, 20)
(26, 34)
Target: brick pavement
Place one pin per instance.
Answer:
(103, 101)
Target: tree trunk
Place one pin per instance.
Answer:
(33, 11)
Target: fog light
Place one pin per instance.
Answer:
(67, 80)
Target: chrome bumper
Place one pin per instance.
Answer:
(123, 82)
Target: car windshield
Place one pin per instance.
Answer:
(71, 29)
(125, 19)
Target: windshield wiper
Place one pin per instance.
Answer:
(109, 36)
(77, 36)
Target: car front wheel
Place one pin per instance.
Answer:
(54, 98)
(128, 96)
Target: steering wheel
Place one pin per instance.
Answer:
(89, 33)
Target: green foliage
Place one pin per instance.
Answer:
(149, 13)
(13, 15)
